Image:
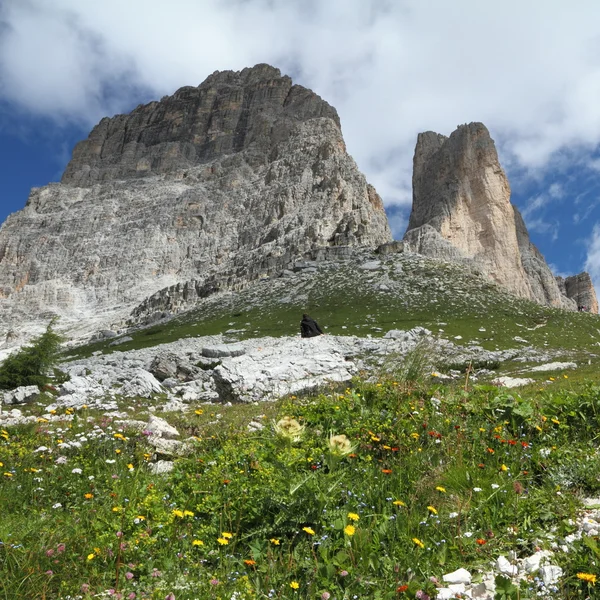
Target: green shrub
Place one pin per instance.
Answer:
(32, 364)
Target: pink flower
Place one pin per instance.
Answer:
(61, 548)
(129, 575)
(131, 596)
(214, 582)
(343, 573)
(49, 572)
(171, 596)
(155, 573)
(85, 588)
(49, 552)
(325, 596)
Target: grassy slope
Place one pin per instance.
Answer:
(443, 297)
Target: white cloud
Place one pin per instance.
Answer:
(592, 262)
(392, 68)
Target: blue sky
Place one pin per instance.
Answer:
(529, 71)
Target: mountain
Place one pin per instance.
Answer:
(461, 211)
(218, 184)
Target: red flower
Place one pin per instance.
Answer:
(525, 444)
(401, 588)
(480, 542)
(386, 471)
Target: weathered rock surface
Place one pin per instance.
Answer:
(219, 185)
(21, 395)
(461, 211)
(581, 290)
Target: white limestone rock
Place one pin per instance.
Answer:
(22, 395)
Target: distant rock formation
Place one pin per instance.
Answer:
(581, 289)
(222, 182)
(461, 211)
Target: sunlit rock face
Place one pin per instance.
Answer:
(226, 181)
(462, 211)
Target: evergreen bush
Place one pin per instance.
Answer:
(32, 364)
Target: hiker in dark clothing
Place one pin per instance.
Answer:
(309, 327)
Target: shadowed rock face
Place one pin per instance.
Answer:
(461, 211)
(224, 182)
(250, 111)
(581, 289)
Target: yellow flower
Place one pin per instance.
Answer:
(308, 530)
(567, 377)
(504, 468)
(227, 535)
(414, 435)
(222, 541)
(289, 428)
(130, 467)
(274, 541)
(117, 451)
(551, 378)
(90, 556)
(178, 513)
(294, 585)
(188, 513)
(375, 438)
(199, 411)
(1, 464)
(555, 421)
(116, 509)
(8, 474)
(538, 428)
(398, 503)
(353, 516)
(439, 488)
(418, 542)
(41, 420)
(432, 510)
(589, 577)
(340, 445)
(350, 530)
(88, 496)
(141, 518)
(197, 543)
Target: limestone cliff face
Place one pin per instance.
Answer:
(461, 211)
(224, 181)
(581, 290)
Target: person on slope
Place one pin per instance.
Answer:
(309, 327)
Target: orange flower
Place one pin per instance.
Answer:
(401, 588)
(386, 471)
(249, 562)
(481, 542)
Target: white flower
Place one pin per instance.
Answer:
(91, 477)
(477, 490)
(110, 461)
(61, 460)
(495, 486)
(453, 515)
(57, 505)
(77, 471)
(468, 534)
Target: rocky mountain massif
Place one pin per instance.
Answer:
(237, 179)
(462, 211)
(220, 184)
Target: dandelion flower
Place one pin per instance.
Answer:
(275, 541)
(432, 510)
(418, 542)
(504, 468)
(178, 513)
(294, 585)
(350, 530)
(197, 543)
(353, 516)
(227, 535)
(90, 556)
(441, 489)
(130, 467)
(223, 541)
(308, 530)
(398, 503)
(188, 513)
(588, 577)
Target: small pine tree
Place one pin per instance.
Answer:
(31, 365)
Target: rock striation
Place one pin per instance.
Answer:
(581, 289)
(217, 185)
(462, 212)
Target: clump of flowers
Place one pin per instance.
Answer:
(289, 428)
(340, 445)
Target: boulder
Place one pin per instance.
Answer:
(22, 395)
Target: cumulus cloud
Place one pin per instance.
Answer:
(392, 68)
(592, 263)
